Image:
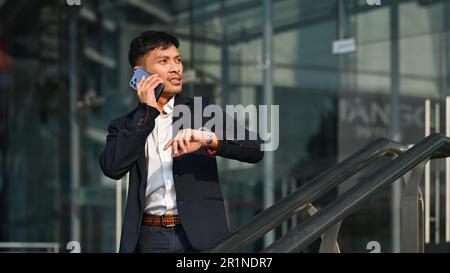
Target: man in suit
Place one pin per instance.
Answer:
(174, 201)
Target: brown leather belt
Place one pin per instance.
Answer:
(162, 221)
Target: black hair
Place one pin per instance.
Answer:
(148, 41)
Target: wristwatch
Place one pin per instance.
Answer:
(209, 136)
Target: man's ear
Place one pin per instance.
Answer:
(135, 68)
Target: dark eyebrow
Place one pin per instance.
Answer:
(167, 57)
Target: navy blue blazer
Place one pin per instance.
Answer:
(199, 198)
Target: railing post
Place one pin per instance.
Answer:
(437, 180)
(329, 238)
(427, 173)
(422, 223)
(447, 174)
(411, 211)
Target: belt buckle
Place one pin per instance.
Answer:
(166, 225)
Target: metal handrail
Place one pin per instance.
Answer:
(53, 247)
(299, 200)
(301, 236)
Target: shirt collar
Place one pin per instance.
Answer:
(168, 107)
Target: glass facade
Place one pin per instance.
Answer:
(64, 76)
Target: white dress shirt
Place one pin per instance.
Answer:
(160, 197)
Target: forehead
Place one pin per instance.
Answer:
(170, 52)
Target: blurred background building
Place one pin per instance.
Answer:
(64, 76)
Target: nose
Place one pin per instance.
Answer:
(174, 68)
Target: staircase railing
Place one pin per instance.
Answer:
(403, 161)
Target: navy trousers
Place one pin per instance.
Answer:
(157, 239)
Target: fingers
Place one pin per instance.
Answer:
(182, 146)
(168, 144)
(180, 143)
(175, 147)
(146, 87)
(184, 139)
(179, 146)
(140, 92)
(150, 83)
(185, 142)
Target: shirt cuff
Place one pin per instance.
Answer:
(211, 151)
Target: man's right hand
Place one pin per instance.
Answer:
(146, 89)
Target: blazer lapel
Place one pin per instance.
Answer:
(179, 100)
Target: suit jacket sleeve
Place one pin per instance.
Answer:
(126, 140)
(248, 150)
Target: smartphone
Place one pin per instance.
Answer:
(138, 76)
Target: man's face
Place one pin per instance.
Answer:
(167, 64)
